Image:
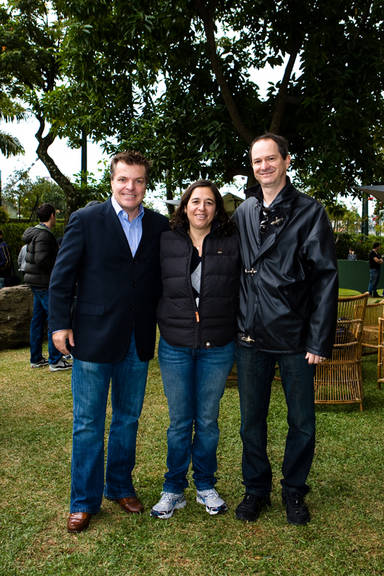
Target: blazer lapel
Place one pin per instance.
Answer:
(117, 228)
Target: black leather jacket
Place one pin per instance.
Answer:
(214, 323)
(289, 285)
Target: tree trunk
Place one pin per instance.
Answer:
(281, 99)
(206, 15)
(55, 173)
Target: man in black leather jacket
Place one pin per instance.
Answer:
(288, 309)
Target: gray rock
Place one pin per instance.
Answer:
(16, 306)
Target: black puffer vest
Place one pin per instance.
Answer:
(214, 322)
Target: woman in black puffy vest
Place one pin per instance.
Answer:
(200, 268)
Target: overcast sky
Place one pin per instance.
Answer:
(68, 161)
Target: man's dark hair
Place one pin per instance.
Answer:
(281, 142)
(45, 211)
(376, 245)
(132, 158)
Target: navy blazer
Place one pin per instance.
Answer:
(103, 293)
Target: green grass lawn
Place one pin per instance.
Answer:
(345, 536)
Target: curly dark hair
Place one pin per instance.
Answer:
(180, 220)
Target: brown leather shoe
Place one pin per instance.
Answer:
(131, 505)
(78, 521)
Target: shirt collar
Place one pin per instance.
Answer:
(118, 209)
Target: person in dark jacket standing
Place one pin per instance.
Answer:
(109, 258)
(39, 261)
(200, 269)
(288, 310)
(5, 261)
(375, 262)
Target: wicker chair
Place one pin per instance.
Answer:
(339, 379)
(369, 339)
(380, 354)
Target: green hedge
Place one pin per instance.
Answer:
(13, 231)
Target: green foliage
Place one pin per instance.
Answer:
(95, 189)
(180, 81)
(25, 194)
(344, 537)
(3, 215)
(185, 101)
(9, 145)
(361, 244)
(9, 110)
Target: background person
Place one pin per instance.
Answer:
(5, 261)
(109, 256)
(39, 261)
(288, 309)
(375, 262)
(200, 268)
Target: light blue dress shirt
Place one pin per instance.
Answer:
(132, 230)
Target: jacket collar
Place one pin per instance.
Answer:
(281, 205)
(286, 194)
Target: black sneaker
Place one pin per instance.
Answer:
(250, 507)
(297, 511)
(42, 362)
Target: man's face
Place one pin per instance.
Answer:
(268, 165)
(128, 185)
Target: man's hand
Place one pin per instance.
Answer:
(60, 338)
(314, 358)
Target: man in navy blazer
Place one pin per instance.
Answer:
(103, 294)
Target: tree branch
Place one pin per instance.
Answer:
(55, 173)
(281, 99)
(206, 15)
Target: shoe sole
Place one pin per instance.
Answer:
(177, 506)
(39, 365)
(212, 511)
(304, 523)
(60, 369)
(253, 517)
(243, 518)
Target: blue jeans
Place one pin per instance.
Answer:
(36, 332)
(374, 276)
(194, 382)
(255, 374)
(90, 386)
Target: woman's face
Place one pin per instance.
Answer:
(201, 208)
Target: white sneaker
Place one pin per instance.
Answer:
(168, 503)
(213, 503)
(60, 365)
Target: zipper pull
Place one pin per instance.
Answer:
(197, 316)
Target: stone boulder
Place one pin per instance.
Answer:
(16, 306)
